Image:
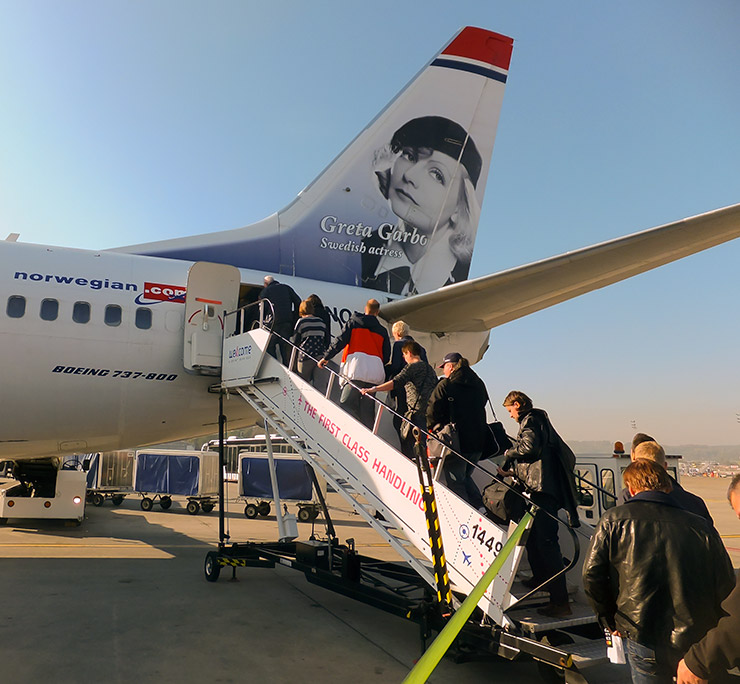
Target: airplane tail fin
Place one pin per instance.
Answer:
(397, 210)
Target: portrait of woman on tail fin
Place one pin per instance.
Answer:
(428, 173)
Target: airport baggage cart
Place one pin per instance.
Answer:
(164, 473)
(110, 475)
(295, 485)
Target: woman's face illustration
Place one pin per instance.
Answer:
(424, 189)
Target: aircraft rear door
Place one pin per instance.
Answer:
(213, 289)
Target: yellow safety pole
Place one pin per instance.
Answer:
(426, 664)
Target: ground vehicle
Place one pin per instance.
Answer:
(48, 490)
(599, 481)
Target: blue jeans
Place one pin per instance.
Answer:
(648, 666)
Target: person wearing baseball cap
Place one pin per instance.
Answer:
(460, 398)
(453, 358)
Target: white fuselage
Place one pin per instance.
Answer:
(71, 386)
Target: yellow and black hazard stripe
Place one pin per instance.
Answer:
(225, 561)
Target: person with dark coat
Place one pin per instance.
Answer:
(651, 450)
(709, 660)
(460, 398)
(281, 317)
(544, 463)
(400, 332)
(655, 574)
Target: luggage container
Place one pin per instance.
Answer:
(110, 475)
(164, 473)
(295, 484)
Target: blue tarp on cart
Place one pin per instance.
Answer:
(167, 473)
(293, 477)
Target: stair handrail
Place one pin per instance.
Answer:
(383, 406)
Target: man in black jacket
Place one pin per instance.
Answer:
(655, 574)
(651, 450)
(709, 659)
(460, 398)
(544, 463)
(282, 315)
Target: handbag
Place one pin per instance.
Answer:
(448, 440)
(407, 426)
(503, 502)
(496, 441)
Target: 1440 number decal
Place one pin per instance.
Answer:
(479, 534)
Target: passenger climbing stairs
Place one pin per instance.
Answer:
(370, 473)
(455, 540)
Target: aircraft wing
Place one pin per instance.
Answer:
(489, 301)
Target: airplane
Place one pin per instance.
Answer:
(110, 349)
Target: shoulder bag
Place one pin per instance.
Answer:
(496, 440)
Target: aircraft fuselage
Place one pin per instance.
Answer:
(92, 349)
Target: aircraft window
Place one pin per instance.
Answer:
(113, 315)
(49, 309)
(16, 306)
(81, 312)
(143, 318)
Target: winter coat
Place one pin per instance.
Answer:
(719, 650)
(686, 500)
(656, 572)
(367, 348)
(461, 399)
(543, 461)
(285, 303)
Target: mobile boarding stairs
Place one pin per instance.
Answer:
(446, 545)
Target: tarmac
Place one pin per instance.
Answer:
(123, 598)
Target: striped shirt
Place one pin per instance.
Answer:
(310, 336)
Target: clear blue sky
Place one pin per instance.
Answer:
(124, 122)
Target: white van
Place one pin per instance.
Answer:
(599, 482)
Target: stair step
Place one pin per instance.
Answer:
(531, 621)
(359, 485)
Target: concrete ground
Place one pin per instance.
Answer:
(714, 492)
(123, 598)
